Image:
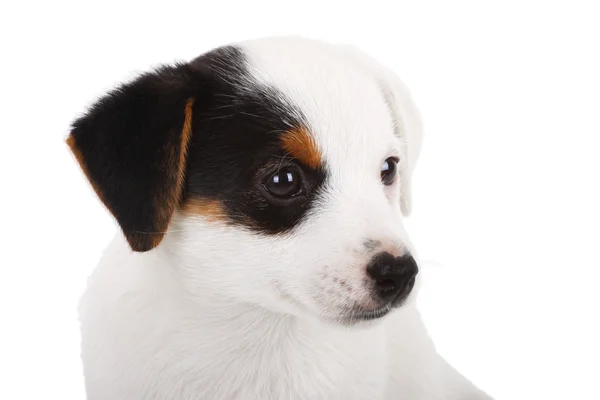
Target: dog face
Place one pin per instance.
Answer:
(274, 172)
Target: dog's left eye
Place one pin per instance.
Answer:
(388, 171)
(284, 183)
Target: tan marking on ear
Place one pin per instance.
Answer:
(79, 157)
(174, 165)
(212, 210)
(71, 142)
(186, 136)
(299, 143)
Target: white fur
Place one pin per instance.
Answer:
(221, 312)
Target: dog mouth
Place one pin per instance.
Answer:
(356, 316)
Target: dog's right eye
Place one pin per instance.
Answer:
(284, 184)
(388, 171)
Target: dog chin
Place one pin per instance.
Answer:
(359, 318)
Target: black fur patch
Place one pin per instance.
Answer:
(129, 143)
(236, 135)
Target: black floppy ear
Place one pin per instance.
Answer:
(132, 147)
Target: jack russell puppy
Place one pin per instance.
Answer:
(260, 191)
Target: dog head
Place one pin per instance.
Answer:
(275, 171)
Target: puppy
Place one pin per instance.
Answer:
(260, 190)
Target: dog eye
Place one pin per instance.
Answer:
(388, 171)
(285, 183)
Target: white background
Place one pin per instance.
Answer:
(507, 193)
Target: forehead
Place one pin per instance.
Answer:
(340, 100)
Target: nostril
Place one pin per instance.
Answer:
(387, 287)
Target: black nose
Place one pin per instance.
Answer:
(394, 276)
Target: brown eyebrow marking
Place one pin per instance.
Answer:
(300, 144)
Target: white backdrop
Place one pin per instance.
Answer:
(507, 192)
